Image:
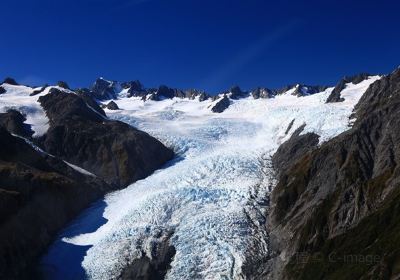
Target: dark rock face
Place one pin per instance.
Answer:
(284, 89)
(115, 151)
(39, 194)
(13, 121)
(343, 198)
(62, 84)
(193, 93)
(2, 90)
(301, 90)
(112, 106)
(103, 89)
(203, 97)
(151, 95)
(152, 267)
(221, 105)
(216, 97)
(166, 92)
(335, 95)
(86, 95)
(237, 93)
(10, 81)
(132, 85)
(60, 106)
(135, 88)
(293, 149)
(37, 91)
(262, 93)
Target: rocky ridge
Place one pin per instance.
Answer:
(107, 90)
(335, 209)
(46, 181)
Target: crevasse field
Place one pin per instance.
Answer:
(212, 197)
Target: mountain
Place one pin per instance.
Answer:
(208, 207)
(336, 206)
(68, 156)
(104, 90)
(292, 183)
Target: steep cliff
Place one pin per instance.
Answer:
(335, 210)
(43, 186)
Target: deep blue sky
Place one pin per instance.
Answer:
(207, 44)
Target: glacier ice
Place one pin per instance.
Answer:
(205, 195)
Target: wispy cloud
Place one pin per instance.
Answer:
(247, 55)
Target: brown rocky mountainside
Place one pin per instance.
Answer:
(335, 212)
(40, 193)
(113, 150)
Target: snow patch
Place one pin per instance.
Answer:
(79, 169)
(17, 97)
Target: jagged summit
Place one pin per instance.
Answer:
(103, 90)
(10, 81)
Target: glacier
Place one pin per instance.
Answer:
(212, 197)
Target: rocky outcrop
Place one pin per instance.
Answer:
(135, 88)
(166, 92)
(156, 265)
(301, 89)
(193, 93)
(37, 91)
(13, 121)
(112, 106)
(335, 94)
(203, 96)
(39, 194)
(86, 95)
(10, 81)
(293, 149)
(103, 89)
(63, 84)
(152, 95)
(115, 151)
(262, 93)
(335, 210)
(61, 106)
(236, 93)
(2, 90)
(221, 105)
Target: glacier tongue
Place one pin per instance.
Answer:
(212, 195)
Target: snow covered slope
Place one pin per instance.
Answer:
(19, 97)
(210, 196)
